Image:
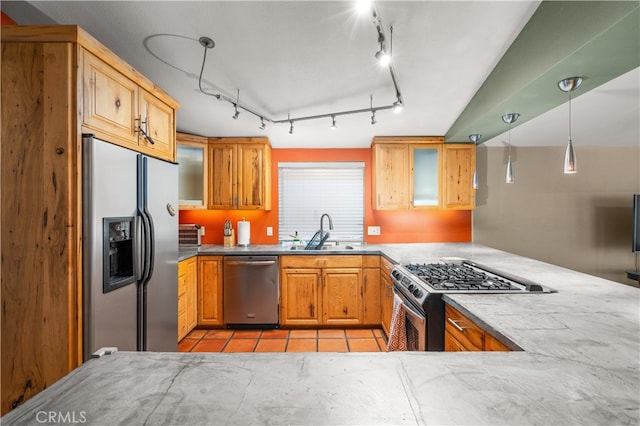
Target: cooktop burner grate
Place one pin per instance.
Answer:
(459, 277)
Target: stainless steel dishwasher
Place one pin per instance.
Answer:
(250, 291)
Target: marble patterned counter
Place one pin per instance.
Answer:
(580, 366)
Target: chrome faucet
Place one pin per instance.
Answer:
(330, 224)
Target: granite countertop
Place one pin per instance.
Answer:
(580, 365)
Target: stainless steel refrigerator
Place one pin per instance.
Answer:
(130, 250)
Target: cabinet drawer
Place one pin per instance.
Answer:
(371, 261)
(327, 261)
(462, 329)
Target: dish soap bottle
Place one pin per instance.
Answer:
(296, 240)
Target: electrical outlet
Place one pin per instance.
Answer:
(373, 230)
(202, 230)
(269, 231)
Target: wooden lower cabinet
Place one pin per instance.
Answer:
(371, 307)
(187, 296)
(386, 294)
(321, 290)
(300, 298)
(462, 334)
(210, 290)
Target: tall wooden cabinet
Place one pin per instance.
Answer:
(47, 103)
(187, 296)
(239, 174)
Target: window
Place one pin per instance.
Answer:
(308, 190)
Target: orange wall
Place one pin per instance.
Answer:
(395, 226)
(6, 20)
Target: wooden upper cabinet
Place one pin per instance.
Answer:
(390, 176)
(110, 101)
(239, 173)
(422, 173)
(157, 120)
(222, 176)
(118, 110)
(459, 166)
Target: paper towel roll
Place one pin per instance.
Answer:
(244, 233)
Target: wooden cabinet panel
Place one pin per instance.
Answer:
(459, 165)
(390, 176)
(191, 293)
(371, 306)
(110, 101)
(300, 297)
(210, 290)
(342, 296)
(252, 164)
(41, 277)
(222, 170)
(182, 301)
(157, 120)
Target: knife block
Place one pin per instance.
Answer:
(230, 240)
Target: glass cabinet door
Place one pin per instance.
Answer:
(192, 173)
(425, 176)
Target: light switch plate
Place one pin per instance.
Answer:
(373, 230)
(269, 231)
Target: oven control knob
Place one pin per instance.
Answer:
(411, 288)
(417, 293)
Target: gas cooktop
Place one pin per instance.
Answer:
(464, 277)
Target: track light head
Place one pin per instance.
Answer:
(291, 128)
(237, 114)
(373, 117)
(397, 107)
(333, 122)
(262, 125)
(363, 6)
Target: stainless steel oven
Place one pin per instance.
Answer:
(415, 324)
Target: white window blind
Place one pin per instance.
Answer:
(307, 190)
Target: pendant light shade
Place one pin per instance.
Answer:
(510, 118)
(510, 177)
(568, 85)
(475, 138)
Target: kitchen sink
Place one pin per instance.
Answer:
(324, 248)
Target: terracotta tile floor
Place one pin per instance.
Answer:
(330, 340)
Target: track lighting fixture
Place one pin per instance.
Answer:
(383, 57)
(384, 54)
(333, 122)
(475, 138)
(568, 85)
(510, 118)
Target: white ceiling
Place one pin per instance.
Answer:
(316, 57)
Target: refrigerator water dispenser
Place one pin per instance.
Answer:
(118, 253)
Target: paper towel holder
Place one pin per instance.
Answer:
(244, 233)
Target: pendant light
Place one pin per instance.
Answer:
(509, 119)
(475, 138)
(568, 85)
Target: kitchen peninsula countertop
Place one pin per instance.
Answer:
(580, 365)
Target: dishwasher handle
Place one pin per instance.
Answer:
(251, 262)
